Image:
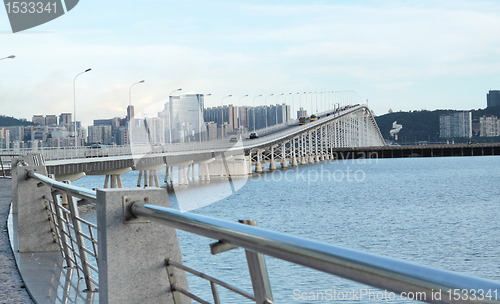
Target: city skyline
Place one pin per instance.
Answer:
(398, 55)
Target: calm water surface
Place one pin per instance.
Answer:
(439, 212)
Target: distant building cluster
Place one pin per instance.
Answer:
(458, 124)
(184, 118)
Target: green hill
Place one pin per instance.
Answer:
(7, 121)
(424, 125)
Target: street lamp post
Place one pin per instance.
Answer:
(265, 106)
(74, 105)
(170, 114)
(285, 104)
(222, 115)
(276, 110)
(299, 99)
(239, 122)
(200, 120)
(253, 110)
(8, 57)
(129, 90)
(316, 96)
(300, 103)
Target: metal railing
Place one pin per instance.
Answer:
(378, 271)
(381, 272)
(72, 233)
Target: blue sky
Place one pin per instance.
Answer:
(400, 55)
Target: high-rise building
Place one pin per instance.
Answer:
(243, 117)
(39, 120)
(65, 119)
(186, 113)
(457, 124)
(4, 138)
(301, 113)
(490, 126)
(493, 98)
(50, 120)
(130, 113)
(100, 134)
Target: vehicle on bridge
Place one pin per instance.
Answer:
(303, 120)
(314, 117)
(96, 150)
(253, 135)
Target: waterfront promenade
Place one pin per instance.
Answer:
(12, 290)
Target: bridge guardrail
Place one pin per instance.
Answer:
(135, 207)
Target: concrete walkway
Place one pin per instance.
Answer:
(12, 287)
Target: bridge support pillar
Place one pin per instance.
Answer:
(284, 163)
(258, 167)
(311, 159)
(327, 157)
(182, 174)
(166, 175)
(115, 182)
(272, 165)
(294, 161)
(317, 158)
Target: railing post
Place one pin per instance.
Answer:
(132, 253)
(28, 201)
(258, 273)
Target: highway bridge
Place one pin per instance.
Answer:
(286, 145)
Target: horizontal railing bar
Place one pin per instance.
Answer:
(94, 281)
(94, 241)
(66, 188)
(90, 252)
(189, 294)
(212, 279)
(86, 222)
(90, 265)
(378, 271)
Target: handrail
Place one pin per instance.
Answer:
(378, 271)
(75, 191)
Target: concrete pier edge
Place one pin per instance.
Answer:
(13, 287)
